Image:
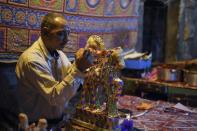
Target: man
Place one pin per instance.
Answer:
(47, 80)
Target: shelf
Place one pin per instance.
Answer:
(159, 83)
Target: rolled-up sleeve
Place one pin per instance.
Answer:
(53, 91)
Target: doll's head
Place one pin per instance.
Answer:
(95, 42)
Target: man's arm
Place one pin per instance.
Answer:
(54, 91)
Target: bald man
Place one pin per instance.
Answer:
(47, 80)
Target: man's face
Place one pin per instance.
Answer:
(58, 36)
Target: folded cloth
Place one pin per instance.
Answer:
(134, 55)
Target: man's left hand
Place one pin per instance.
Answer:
(84, 59)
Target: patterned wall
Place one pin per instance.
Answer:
(115, 20)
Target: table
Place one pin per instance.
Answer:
(157, 118)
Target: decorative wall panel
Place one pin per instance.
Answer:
(17, 40)
(55, 5)
(33, 36)
(34, 18)
(72, 45)
(20, 17)
(2, 38)
(71, 6)
(109, 8)
(19, 2)
(107, 18)
(7, 14)
(108, 40)
(123, 7)
(91, 7)
(101, 25)
(77, 23)
(82, 39)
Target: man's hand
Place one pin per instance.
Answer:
(84, 59)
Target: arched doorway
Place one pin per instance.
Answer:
(155, 15)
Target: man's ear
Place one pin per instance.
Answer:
(45, 31)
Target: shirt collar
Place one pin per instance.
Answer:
(45, 51)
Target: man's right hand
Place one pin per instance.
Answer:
(84, 59)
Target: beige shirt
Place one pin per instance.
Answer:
(46, 83)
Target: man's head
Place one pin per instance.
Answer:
(54, 31)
